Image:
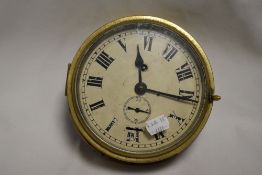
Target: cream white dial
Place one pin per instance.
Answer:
(133, 74)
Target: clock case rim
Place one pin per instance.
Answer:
(76, 116)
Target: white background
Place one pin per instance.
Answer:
(38, 39)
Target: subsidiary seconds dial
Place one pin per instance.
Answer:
(132, 71)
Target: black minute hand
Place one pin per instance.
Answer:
(170, 95)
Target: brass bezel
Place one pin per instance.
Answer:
(75, 114)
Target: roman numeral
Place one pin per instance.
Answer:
(97, 105)
(186, 94)
(169, 52)
(133, 134)
(179, 120)
(94, 81)
(122, 43)
(159, 135)
(111, 124)
(184, 72)
(104, 60)
(148, 43)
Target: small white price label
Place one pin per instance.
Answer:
(157, 125)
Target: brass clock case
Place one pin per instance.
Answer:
(90, 138)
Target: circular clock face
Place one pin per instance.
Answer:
(132, 73)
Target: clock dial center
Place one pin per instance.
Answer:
(140, 88)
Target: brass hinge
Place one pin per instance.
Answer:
(68, 68)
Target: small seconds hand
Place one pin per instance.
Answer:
(137, 110)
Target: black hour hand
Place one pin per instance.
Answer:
(139, 64)
(139, 60)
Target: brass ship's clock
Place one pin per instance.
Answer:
(140, 89)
